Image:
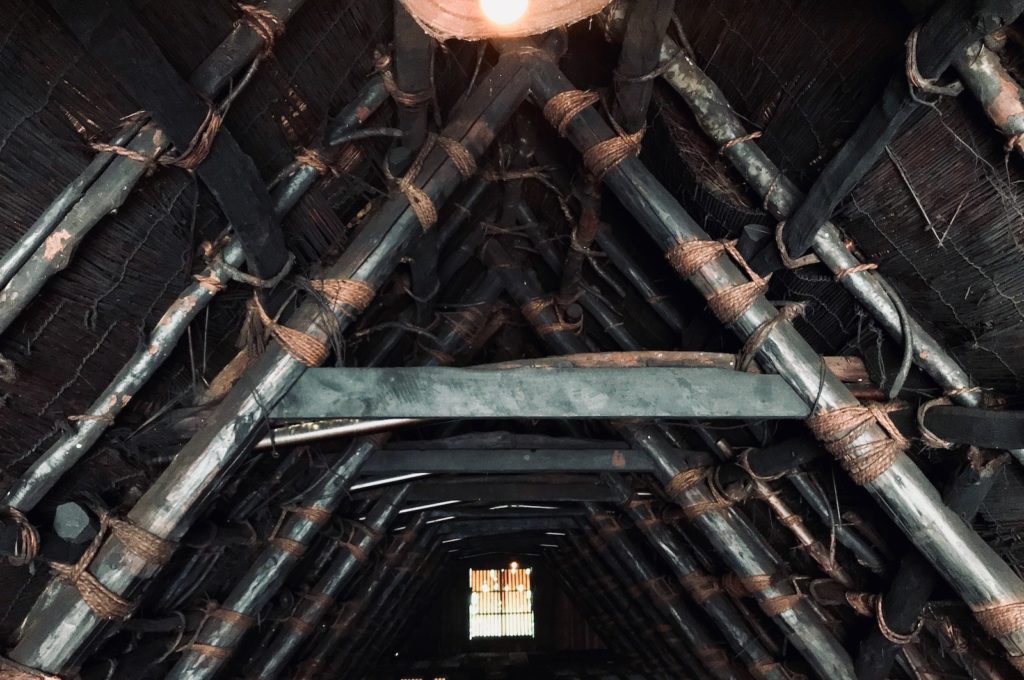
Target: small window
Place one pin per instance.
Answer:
(500, 602)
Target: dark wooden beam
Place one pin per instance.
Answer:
(510, 461)
(111, 33)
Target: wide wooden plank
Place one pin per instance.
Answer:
(528, 393)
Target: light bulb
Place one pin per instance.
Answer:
(504, 12)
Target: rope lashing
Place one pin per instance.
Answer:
(765, 668)
(288, 546)
(856, 269)
(918, 81)
(840, 429)
(534, 309)
(232, 618)
(103, 602)
(787, 261)
(193, 155)
(688, 257)
(263, 23)
(211, 651)
(318, 599)
(753, 344)
(461, 157)
(888, 633)
(862, 603)
(26, 547)
(303, 627)
(930, 439)
(304, 348)
(561, 109)
(313, 515)
(713, 657)
(409, 100)
(465, 322)
(739, 140)
(700, 586)
(1000, 619)
(603, 156)
(419, 200)
(345, 294)
(12, 670)
(684, 480)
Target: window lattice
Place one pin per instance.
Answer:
(500, 603)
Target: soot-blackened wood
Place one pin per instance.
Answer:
(912, 586)
(313, 606)
(702, 588)
(570, 488)
(202, 465)
(641, 52)
(511, 461)
(664, 595)
(414, 64)
(110, 32)
(730, 532)
(406, 553)
(952, 27)
(971, 566)
(619, 583)
(631, 269)
(50, 466)
(582, 237)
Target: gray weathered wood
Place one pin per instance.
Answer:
(551, 393)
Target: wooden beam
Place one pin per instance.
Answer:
(524, 393)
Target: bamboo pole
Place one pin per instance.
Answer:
(61, 628)
(403, 557)
(34, 236)
(313, 606)
(911, 587)
(111, 188)
(411, 86)
(746, 552)
(56, 461)
(662, 594)
(991, 588)
(215, 641)
(703, 588)
(781, 198)
(610, 578)
(452, 339)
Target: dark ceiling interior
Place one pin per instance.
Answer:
(360, 194)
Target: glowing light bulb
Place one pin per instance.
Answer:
(504, 12)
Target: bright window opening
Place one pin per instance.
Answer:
(500, 602)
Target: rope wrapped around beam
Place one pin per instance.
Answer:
(840, 429)
(302, 347)
(688, 257)
(12, 670)
(263, 23)
(419, 200)
(105, 603)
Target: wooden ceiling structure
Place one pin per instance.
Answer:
(387, 292)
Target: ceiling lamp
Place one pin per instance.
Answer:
(481, 19)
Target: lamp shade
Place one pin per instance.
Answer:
(468, 20)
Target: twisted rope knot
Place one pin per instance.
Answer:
(302, 347)
(561, 109)
(840, 429)
(263, 23)
(461, 157)
(603, 156)
(787, 313)
(345, 294)
(191, 158)
(105, 603)
(787, 261)
(534, 309)
(729, 304)
(26, 548)
(930, 439)
(739, 140)
(311, 514)
(1000, 618)
(419, 200)
(409, 100)
(890, 634)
